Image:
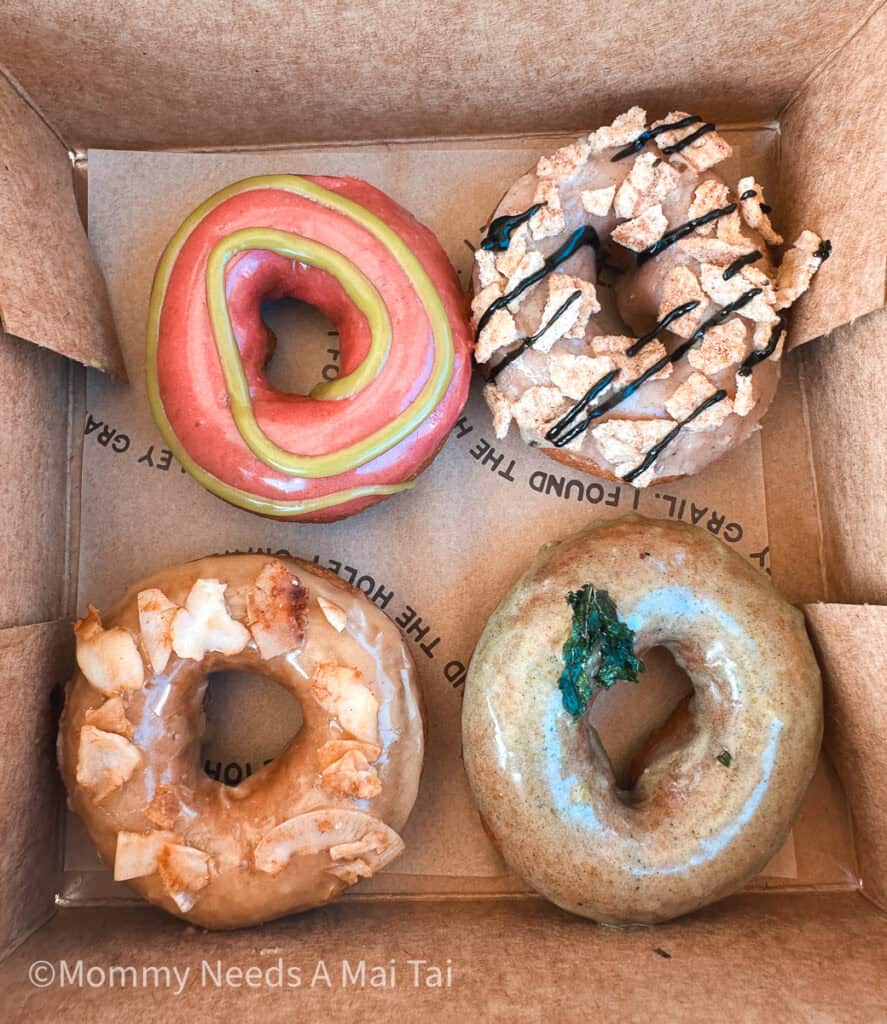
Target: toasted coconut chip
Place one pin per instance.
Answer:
(105, 761)
(483, 300)
(798, 266)
(550, 219)
(597, 201)
(110, 717)
(574, 319)
(564, 161)
(156, 613)
(204, 624)
(631, 367)
(529, 264)
(722, 346)
(334, 614)
(729, 229)
(536, 407)
(339, 691)
(109, 658)
(499, 332)
(625, 442)
(507, 261)
(486, 267)
(690, 395)
(744, 400)
(332, 750)
(574, 375)
(714, 250)
(708, 196)
(352, 776)
(164, 807)
(500, 407)
(705, 152)
(642, 231)
(626, 128)
(646, 184)
(752, 213)
(759, 309)
(184, 871)
(351, 871)
(138, 853)
(276, 609)
(323, 831)
(680, 286)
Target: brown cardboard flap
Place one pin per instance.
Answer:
(206, 74)
(33, 660)
(834, 151)
(51, 291)
(844, 392)
(34, 424)
(803, 957)
(851, 642)
(790, 489)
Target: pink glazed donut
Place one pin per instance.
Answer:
(389, 289)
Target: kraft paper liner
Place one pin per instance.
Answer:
(472, 522)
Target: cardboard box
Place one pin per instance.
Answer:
(436, 98)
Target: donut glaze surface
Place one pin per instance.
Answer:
(713, 804)
(390, 291)
(326, 812)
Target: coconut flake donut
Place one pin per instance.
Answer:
(385, 283)
(716, 800)
(325, 813)
(631, 226)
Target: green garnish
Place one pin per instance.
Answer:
(599, 651)
(726, 758)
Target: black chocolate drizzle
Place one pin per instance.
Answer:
(608, 378)
(585, 235)
(743, 261)
(689, 139)
(676, 234)
(527, 342)
(651, 133)
(759, 355)
(498, 236)
(654, 453)
(559, 438)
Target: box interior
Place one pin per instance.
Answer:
(73, 81)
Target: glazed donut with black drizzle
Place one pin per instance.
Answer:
(655, 375)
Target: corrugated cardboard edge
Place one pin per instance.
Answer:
(843, 388)
(851, 643)
(51, 290)
(831, 180)
(33, 661)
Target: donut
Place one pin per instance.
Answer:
(716, 798)
(385, 283)
(627, 309)
(325, 813)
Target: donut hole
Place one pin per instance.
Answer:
(634, 720)
(307, 349)
(250, 720)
